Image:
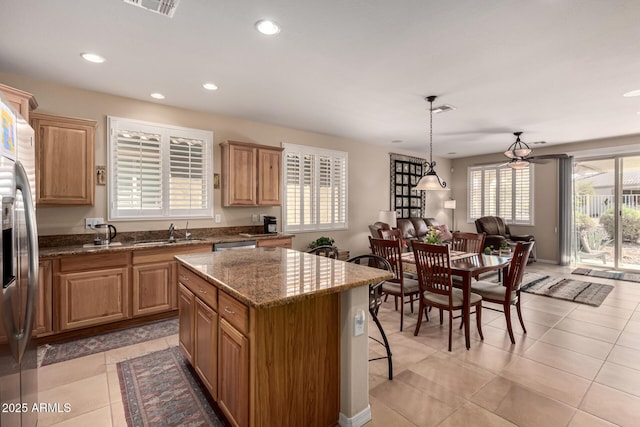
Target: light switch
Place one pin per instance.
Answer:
(358, 323)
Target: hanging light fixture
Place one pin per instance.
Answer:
(517, 152)
(430, 180)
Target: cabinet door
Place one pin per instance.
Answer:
(93, 297)
(22, 101)
(280, 243)
(206, 346)
(186, 307)
(242, 175)
(233, 375)
(65, 160)
(153, 286)
(44, 314)
(269, 177)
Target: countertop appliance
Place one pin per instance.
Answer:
(242, 244)
(19, 245)
(270, 224)
(105, 233)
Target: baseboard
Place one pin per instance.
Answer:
(357, 420)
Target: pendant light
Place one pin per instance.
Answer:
(430, 180)
(517, 152)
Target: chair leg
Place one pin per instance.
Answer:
(386, 343)
(421, 310)
(479, 320)
(520, 315)
(411, 300)
(441, 321)
(395, 299)
(401, 317)
(507, 313)
(450, 327)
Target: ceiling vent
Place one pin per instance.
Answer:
(163, 7)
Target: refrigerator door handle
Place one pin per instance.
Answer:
(22, 184)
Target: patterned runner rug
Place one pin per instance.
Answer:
(617, 275)
(60, 352)
(160, 390)
(566, 289)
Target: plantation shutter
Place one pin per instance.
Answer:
(188, 172)
(293, 189)
(522, 199)
(505, 207)
(490, 193)
(475, 194)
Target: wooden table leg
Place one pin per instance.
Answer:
(466, 307)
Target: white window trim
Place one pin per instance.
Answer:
(166, 131)
(317, 152)
(497, 168)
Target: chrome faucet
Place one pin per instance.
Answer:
(187, 235)
(172, 228)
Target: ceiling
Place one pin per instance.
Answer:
(555, 69)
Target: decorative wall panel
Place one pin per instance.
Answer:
(406, 171)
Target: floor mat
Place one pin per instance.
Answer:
(566, 289)
(617, 275)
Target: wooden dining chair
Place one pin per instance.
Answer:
(509, 293)
(375, 300)
(436, 288)
(400, 286)
(467, 242)
(327, 251)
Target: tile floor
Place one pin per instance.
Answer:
(577, 366)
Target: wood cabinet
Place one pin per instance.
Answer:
(93, 289)
(251, 174)
(44, 314)
(206, 346)
(233, 374)
(22, 101)
(154, 271)
(65, 160)
(284, 242)
(186, 332)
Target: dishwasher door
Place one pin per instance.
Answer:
(242, 244)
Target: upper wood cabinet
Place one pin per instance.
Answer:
(251, 174)
(22, 101)
(65, 159)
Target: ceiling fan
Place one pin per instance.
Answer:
(519, 153)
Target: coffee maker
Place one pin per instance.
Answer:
(270, 224)
(105, 233)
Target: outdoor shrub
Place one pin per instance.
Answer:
(584, 221)
(630, 223)
(596, 237)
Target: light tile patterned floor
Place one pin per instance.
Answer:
(576, 366)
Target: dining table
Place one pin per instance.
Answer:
(465, 265)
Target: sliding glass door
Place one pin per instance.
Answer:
(607, 212)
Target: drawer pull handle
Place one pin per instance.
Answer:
(202, 291)
(184, 278)
(226, 309)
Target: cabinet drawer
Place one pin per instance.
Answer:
(281, 243)
(235, 312)
(200, 287)
(94, 261)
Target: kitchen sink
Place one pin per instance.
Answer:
(166, 242)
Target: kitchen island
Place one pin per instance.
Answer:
(270, 331)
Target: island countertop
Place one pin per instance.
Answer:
(267, 277)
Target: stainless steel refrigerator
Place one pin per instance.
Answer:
(19, 271)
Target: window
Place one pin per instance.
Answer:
(315, 189)
(501, 191)
(159, 171)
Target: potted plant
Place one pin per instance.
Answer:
(488, 249)
(433, 236)
(321, 241)
(505, 249)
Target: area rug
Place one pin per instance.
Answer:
(566, 289)
(160, 390)
(60, 352)
(617, 275)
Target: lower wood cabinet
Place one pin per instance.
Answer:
(284, 242)
(186, 331)
(233, 374)
(94, 297)
(206, 346)
(44, 314)
(153, 288)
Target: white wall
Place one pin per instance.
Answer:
(368, 164)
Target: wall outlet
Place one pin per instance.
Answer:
(218, 219)
(261, 217)
(358, 323)
(89, 223)
(254, 218)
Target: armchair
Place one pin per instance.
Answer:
(497, 232)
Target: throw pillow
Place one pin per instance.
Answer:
(445, 234)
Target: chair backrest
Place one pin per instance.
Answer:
(390, 250)
(375, 289)
(326, 250)
(517, 266)
(468, 242)
(492, 225)
(378, 225)
(433, 267)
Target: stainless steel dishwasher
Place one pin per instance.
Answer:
(242, 244)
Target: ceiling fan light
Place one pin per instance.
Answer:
(522, 152)
(518, 164)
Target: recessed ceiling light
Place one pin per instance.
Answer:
(210, 86)
(396, 141)
(632, 93)
(267, 27)
(157, 95)
(93, 57)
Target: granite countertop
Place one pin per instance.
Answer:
(267, 277)
(80, 249)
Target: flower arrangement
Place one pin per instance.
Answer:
(433, 236)
(488, 250)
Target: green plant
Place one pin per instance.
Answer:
(432, 236)
(584, 221)
(596, 237)
(630, 223)
(504, 246)
(488, 249)
(322, 241)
